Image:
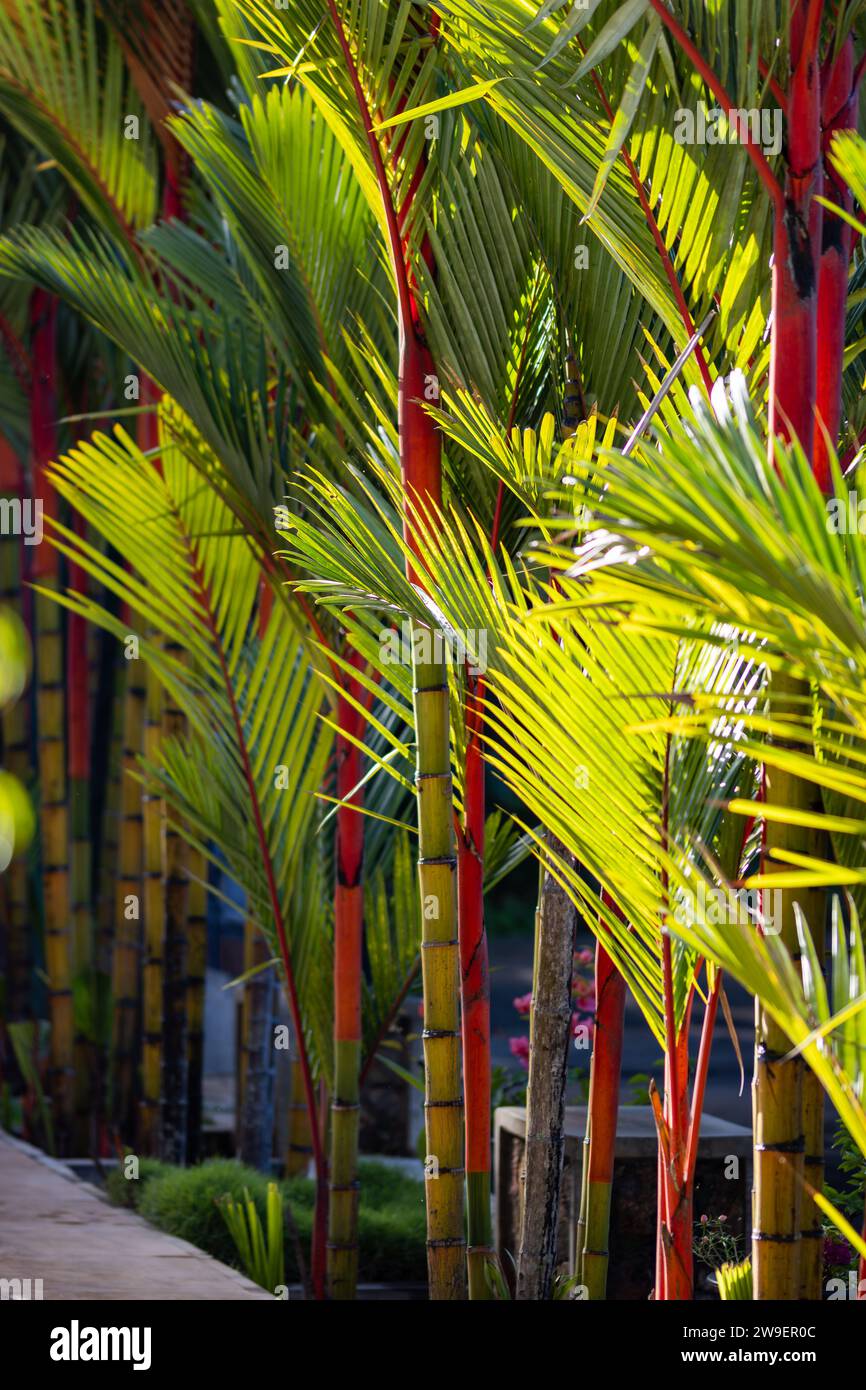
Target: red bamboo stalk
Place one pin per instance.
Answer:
(475, 994)
(839, 103)
(421, 472)
(602, 1116)
(796, 246)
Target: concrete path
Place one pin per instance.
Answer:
(60, 1230)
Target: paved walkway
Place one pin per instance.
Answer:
(60, 1230)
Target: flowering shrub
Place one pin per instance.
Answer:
(583, 1005)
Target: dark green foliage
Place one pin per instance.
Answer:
(128, 1192)
(182, 1202)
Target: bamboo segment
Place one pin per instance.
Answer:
(154, 930)
(443, 1104)
(343, 1185)
(126, 959)
(811, 1232)
(348, 945)
(196, 967)
(256, 1071)
(550, 1028)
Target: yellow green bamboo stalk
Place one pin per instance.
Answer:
(300, 1137)
(443, 1102)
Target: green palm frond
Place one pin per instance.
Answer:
(280, 179)
(215, 368)
(827, 1025)
(244, 786)
(575, 116)
(64, 86)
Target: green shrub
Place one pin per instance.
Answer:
(128, 1192)
(182, 1202)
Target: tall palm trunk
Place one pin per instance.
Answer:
(809, 293)
(839, 111)
(348, 942)
(421, 470)
(550, 1032)
(475, 999)
(51, 741)
(550, 1028)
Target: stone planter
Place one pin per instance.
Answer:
(722, 1187)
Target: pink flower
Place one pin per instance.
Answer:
(586, 956)
(583, 989)
(523, 1003)
(520, 1050)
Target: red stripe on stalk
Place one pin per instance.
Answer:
(473, 942)
(839, 102)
